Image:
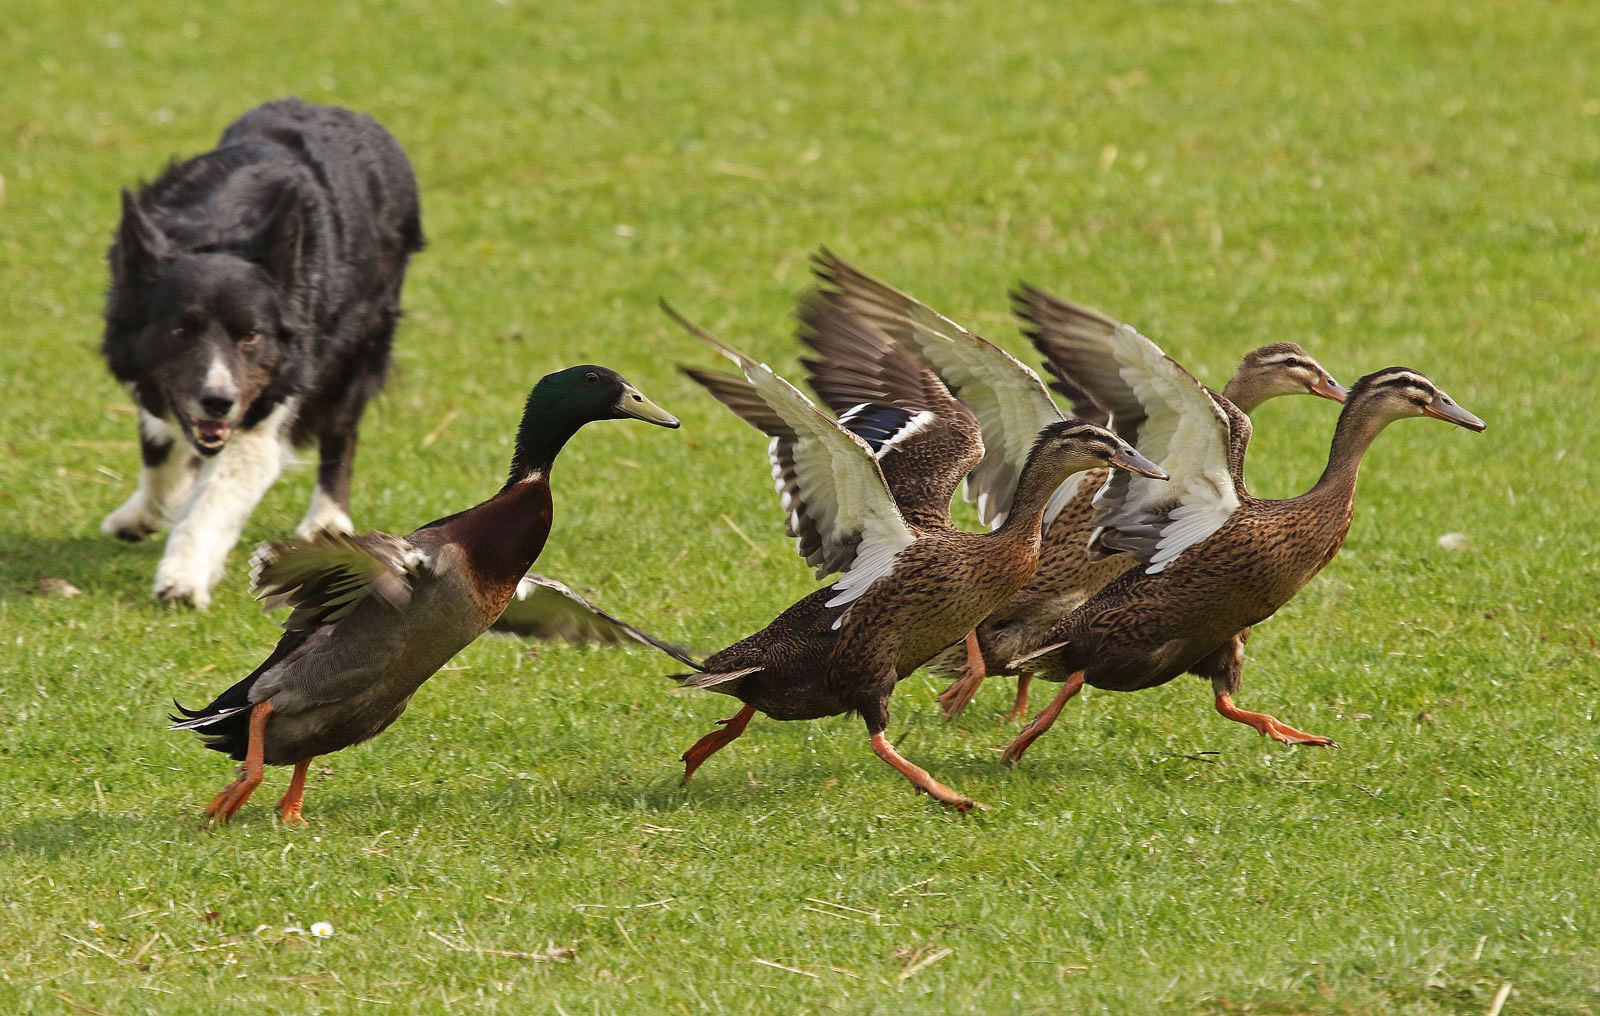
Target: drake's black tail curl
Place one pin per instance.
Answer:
(224, 725)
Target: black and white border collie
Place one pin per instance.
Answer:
(254, 295)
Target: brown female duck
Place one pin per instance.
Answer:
(924, 439)
(904, 594)
(376, 615)
(1213, 560)
(1068, 573)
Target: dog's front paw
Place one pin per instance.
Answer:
(324, 516)
(181, 584)
(132, 522)
(181, 595)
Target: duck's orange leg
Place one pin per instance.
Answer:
(235, 794)
(1270, 726)
(920, 779)
(1041, 723)
(715, 741)
(955, 698)
(1019, 708)
(289, 804)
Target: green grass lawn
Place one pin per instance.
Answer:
(1411, 184)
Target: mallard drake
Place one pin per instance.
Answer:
(903, 595)
(1068, 573)
(376, 615)
(1213, 560)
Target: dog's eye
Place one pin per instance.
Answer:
(181, 331)
(591, 377)
(250, 335)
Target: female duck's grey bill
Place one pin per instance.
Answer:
(1133, 462)
(1442, 408)
(1328, 388)
(634, 404)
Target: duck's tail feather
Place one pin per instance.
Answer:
(224, 725)
(1034, 654)
(708, 679)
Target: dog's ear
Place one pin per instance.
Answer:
(278, 247)
(140, 246)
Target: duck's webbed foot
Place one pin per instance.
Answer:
(715, 741)
(1041, 723)
(234, 795)
(289, 804)
(920, 779)
(1270, 726)
(1019, 708)
(960, 692)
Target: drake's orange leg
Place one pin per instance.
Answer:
(1042, 722)
(713, 742)
(289, 804)
(1270, 726)
(955, 698)
(920, 779)
(1019, 708)
(235, 794)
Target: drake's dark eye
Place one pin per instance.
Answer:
(591, 377)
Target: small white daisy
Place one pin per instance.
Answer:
(322, 929)
(95, 925)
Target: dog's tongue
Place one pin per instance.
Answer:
(211, 430)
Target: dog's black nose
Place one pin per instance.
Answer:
(216, 406)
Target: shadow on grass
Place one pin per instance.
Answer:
(57, 836)
(92, 562)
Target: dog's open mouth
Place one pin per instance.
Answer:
(208, 436)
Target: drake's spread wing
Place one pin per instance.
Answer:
(830, 479)
(1010, 402)
(544, 608)
(1186, 432)
(328, 576)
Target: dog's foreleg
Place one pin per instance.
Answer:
(330, 499)
(228, 489)
(165, 479)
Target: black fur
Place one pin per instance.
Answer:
(278, 256)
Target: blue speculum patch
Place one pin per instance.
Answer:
(875, 424)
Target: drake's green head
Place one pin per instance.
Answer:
(566, 400)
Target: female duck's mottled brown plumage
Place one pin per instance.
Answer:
(376, 615)
(1068, 573)
(904, 594)
(1212, 569)
(924, 439)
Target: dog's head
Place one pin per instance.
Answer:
(203, 331)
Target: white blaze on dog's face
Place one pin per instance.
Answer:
(215, 347)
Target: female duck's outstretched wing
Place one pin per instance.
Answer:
(546, 609)
(1160, 409)
(328, 576)
(1047, 319)
(924, 438)
(834, 491)
(1011, 403)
